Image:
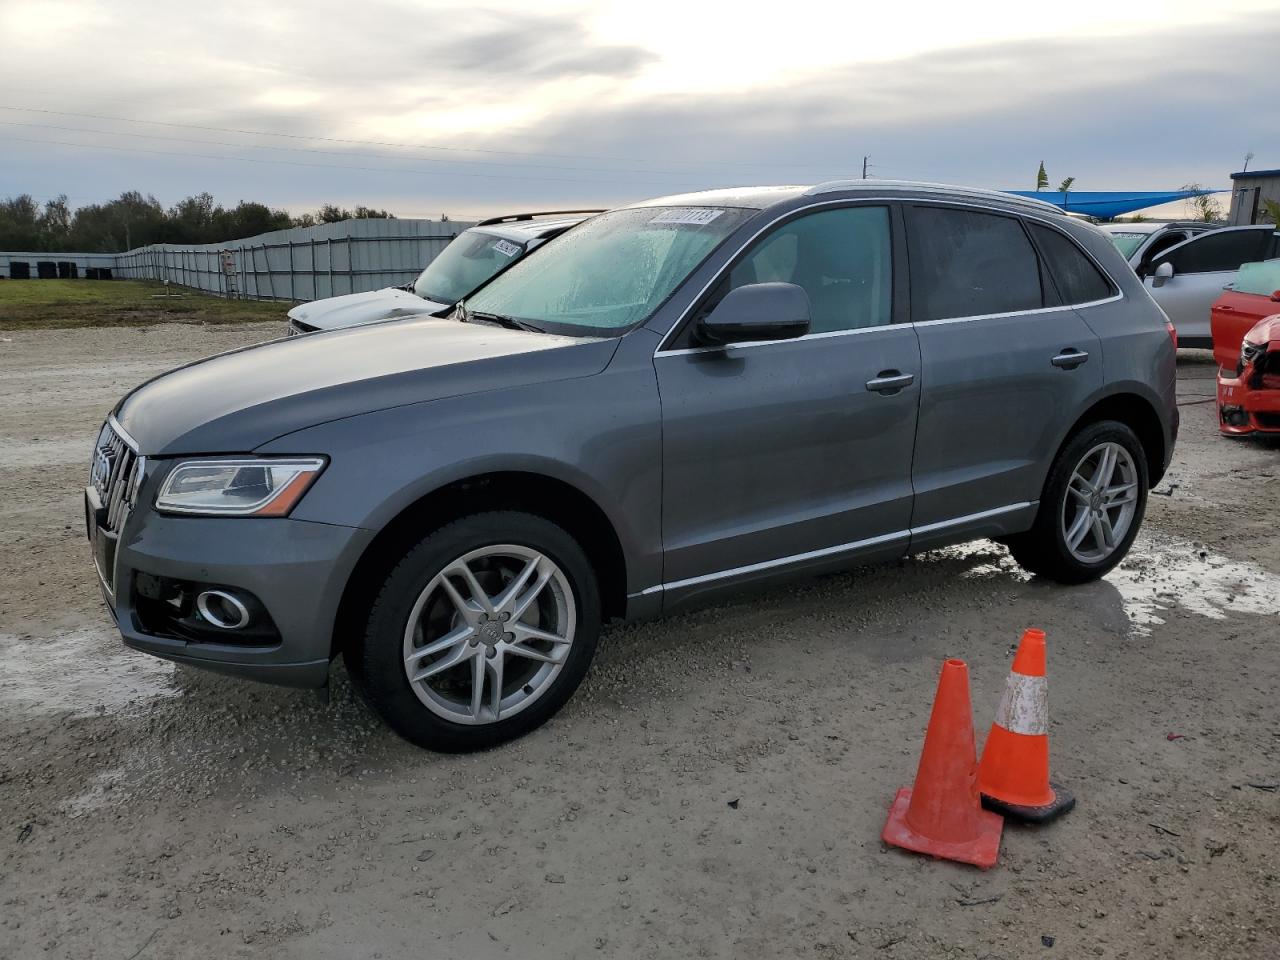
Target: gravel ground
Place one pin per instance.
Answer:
(716, 788)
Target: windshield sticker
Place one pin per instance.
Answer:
(507, 248)
(694, 215)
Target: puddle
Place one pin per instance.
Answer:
(1160, 574)
(81, 672)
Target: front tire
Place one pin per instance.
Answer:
(480, 633)
(1092, 505)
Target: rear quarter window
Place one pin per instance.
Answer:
(1076, 276)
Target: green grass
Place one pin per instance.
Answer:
(41, 304)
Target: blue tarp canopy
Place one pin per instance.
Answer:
(1105, 204)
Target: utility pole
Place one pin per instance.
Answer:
(864, 167)
(1247, 157)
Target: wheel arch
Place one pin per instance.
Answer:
(1136, 412)
(551, 498)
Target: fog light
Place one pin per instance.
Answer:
(223, 610)
(1234, 416)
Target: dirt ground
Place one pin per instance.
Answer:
(715, 789)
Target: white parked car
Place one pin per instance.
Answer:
(1140, 243)
(1187, 278)
(472, 259)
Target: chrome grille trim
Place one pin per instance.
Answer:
(116, 472)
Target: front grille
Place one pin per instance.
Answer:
(115, 474)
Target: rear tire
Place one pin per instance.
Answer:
(1083, 529)
(504, 600)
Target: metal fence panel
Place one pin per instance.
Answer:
(303, 263)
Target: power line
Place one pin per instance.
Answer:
(385, 143)
(336, 153)
(330, 166)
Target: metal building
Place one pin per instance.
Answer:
(1248, 190)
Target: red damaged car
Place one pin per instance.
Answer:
(1245, 322)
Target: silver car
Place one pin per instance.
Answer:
(1187, 278)
(471, 259)
(1142, 242)
(687, 396)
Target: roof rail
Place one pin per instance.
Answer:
(515, 217)
(831, 186)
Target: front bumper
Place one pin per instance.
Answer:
(1247, 404)
(297, 569)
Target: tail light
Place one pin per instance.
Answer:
(1173, 332)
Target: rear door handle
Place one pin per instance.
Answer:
(889, 382)
(1069, 358)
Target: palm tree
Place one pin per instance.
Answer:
(1065, 189)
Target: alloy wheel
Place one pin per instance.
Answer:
(1100, 502)
(489, 634)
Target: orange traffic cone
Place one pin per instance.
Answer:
(1014, 774)
(941, 814)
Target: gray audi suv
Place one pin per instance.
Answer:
(685, 396)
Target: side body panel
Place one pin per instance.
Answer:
(993, 403)
(600, 434)
(776, 450)
(1187, 299)
(992, 408)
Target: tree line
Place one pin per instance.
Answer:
(134, 220)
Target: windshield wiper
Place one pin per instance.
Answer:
(511, 323)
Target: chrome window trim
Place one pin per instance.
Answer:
(747, 344)
(835, 550)
(1015, 313)
(904, 198)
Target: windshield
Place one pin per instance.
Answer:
(1261, 279)
(472, 258)
(611, 273)
(1128, 243)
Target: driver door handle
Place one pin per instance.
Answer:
(1069, 358)
(888, 382)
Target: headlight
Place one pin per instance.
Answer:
(1249, 352)
(254, 487)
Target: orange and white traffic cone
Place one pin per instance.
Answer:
(1014, 774)
(941, 813)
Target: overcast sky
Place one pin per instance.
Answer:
(426, 107)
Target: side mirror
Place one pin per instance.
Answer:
(1163, 274)
(757, 311)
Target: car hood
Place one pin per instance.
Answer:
(235, 402)
(356, 308)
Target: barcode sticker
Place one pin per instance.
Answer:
(507, 248)
(694, 215)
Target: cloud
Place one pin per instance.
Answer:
(519, 47)
(541, 92)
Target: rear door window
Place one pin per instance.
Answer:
(1220, 251)
(1077, 278)
(966, 263)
